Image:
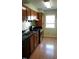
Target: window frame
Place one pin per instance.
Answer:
(53, 23)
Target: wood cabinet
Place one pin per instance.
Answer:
(23, 13)
(33, 13)
(32, 43)
(36, 39)
(29, 44)
(39, 22)
(26, 48)
(41, 35)
(28, 10)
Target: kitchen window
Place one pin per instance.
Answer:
(50, 21)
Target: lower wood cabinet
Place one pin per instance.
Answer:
(29, 45)
(32, 43)
(26, 48)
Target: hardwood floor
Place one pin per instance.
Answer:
(46, 50)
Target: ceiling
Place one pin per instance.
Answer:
(39, 4)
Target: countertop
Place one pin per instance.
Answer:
(27, 34)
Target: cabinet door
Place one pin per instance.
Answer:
(32, 42)
(33, 13)
(26, 48)
(28, 12)
(36, 39)
(23, 14)
(41, 36)
(39, 23)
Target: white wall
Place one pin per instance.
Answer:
(52, 32)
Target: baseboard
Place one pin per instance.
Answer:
(50, 37)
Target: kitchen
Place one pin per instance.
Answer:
(31, 30)
(39, 30)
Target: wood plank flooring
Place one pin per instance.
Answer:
(46, 50)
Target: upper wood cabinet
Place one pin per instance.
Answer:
(33, 13)
(28, 11)
(23, 13)
(39, 17)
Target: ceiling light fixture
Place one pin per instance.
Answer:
(23, 8)
(47, 4)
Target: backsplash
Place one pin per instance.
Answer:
(26, 25)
